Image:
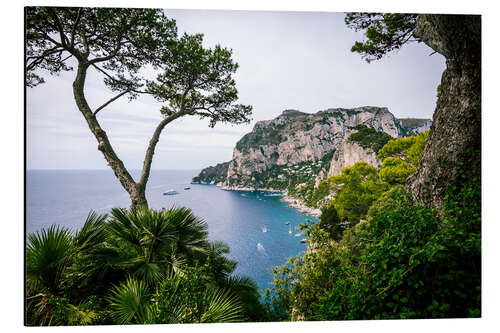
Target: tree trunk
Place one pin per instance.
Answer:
(136, 191)
(455, 135)
(148, 158)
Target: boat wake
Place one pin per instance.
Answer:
(261, 249)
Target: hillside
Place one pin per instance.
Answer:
(296, 150)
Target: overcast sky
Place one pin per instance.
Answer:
(287, 60)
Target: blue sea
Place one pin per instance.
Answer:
(251, 223)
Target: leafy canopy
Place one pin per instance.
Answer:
(121, 44)
(120, 40)
(401, 157)
(384, 32)
(199, 81)
(357, 187)
(407, 261)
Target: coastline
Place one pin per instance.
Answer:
(299, 205)
(292, 202)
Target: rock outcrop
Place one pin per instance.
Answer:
(212, 175)
(414, 126)
(295, 137)
(294, 152)
(349, 153)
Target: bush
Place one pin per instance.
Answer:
(407, 261)
(109, 271)
(330, 221)
(401, 157)
(357, 187)
(367, 137)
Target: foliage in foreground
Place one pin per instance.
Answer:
(408, 261)
(138, 266)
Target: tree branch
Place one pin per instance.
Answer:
(39, 59)
(110, 101)
(152, 145)
(60, 29)
(73, 29)
(113, 53)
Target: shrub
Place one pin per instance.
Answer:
(368, 137)
(407, 261)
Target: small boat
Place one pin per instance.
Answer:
(170, 192)
(187, 188)
(303, 240)
(287, 222)
(298, 235)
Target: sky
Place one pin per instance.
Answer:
(288, 60)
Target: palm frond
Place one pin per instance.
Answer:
(237, 282)
(223, 307)
(128, 301)
(149, 272)
(191, 231)
(92, 233)
(47, 256)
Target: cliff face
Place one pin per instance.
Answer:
(295, 151)
(212, 175)
(349, 153)
(295, 137)
(414, 126)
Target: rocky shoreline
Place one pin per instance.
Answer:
(292, 202)
(299, 205)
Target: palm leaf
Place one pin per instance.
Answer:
(92, 233)
(128, 301)
(47, 256)
(223, 307)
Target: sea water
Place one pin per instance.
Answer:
(253, 224)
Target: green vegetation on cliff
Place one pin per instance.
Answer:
(401, 157)
(260, 137)
(356, 188)
(367, 137)
(402, 261)
(212, 174)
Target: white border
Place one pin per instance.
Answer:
(13, 153)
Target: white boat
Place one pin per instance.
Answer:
(303, 240)
(298, 235)
(187, 188)
(170, 192)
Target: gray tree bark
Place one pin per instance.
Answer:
(455, 135)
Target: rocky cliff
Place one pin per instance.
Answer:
(413, 126)
(349, 153)
(296, 150)
(296, 137)
(212, 175)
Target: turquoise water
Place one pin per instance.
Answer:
(252, 223)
